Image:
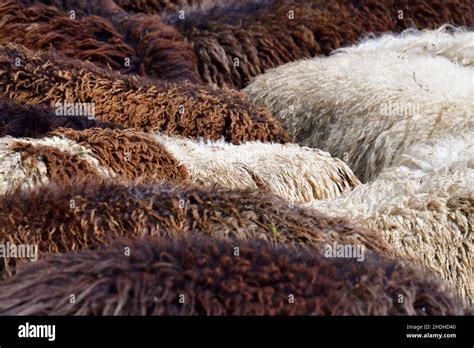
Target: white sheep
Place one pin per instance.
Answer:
(294, 172)
(423, 206)
(456, 44)
(368, 107)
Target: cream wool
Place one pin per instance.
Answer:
(369, 107)
(293, 172)
(455, 44)
(424, 208)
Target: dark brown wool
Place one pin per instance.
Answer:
(101, 212)
(265, 34)
(34, 121)
(88, 38)
(201, 276)
(130, 154)
(160, 47)
(153, 6)
(133, 102)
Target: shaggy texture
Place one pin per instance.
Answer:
(89, 38)
(133, 102)
(87, 215)
(65, 154)
(35, 121)
(366, 108)
(456, 44)
(423, 206)
(292, 172)
(153, 6)
(266, 34)
(200, 276)
(161, 50)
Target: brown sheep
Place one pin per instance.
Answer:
(89, 38)
(160, 48)
(133, 102)
(129, 154)
(265, 34)
(65, 154)
(201, 276)
(85, 215)
(26, 121)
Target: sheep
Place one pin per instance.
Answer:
(201, 276)
(64, 154)
(366, 108)
(134, 102)
(26, 121)
(239, 40)
(160, 49)
(295, 173)
(84, 214)
(423, 206)
(456, 44)
(152, 6)
(90, 38)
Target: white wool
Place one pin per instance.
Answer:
(16, 172)
(424, 208)
(366, 108)
(290, 171)
(455, 44)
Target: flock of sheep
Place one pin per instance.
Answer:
(238, 156)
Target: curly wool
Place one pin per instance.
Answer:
(161, 51)
(423, 206)
(73, 216)
(265, 34)
(26, 121)
(65, 154)
(455, 44)
(200, 276)
(134, 102)
(366, 108)
(90, 38)
(295, 173)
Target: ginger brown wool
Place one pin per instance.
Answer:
(160, 49)
(91, 38)
(133, 102)
(266, 34)
(85, 215)
(129, 154)
(209, 279)
(27, 121)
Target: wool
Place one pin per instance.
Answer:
(26, 121)
(200, 276)
(153, 6)
(70, 216)
(64, 154)
(135, 102)
(366, 108)
(89, 38)
(295, 173)
(423, 207)
(265, 34)
(456, 44)
(161, 51)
